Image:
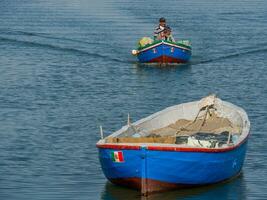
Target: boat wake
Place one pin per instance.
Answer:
(234, 55)
(47, 36)
(59, 44)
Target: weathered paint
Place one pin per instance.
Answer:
(152, 170)
(165, 52)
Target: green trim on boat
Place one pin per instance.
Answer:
(168, 42)
(179, 44)
(148, 45)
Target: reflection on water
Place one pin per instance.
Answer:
(165, 67)
(234, 189)
(66, 68)
(162, 72)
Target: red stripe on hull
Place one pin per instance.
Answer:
(149, 186)
(118, 146)
(128, 182)
(172, 148)
(166, 59)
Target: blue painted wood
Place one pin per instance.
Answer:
(144, 170)
(180, 54)
(131, 167)
(192, 168)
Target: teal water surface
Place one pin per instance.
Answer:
(66, 68)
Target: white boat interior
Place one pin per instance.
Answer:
(209, 122)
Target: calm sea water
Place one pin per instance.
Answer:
(66, 68)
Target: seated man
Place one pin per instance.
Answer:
(168, 34)
(159, 30)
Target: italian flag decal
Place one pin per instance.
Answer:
(117, 156)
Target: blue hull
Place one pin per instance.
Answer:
(155, 170)
(164, 52)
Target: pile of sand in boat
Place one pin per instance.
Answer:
(206, 130)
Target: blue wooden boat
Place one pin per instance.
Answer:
(164, 52)
(191, 144)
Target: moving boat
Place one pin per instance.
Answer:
(190, 144)
(164, 51)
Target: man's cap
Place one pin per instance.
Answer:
(162, 19)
